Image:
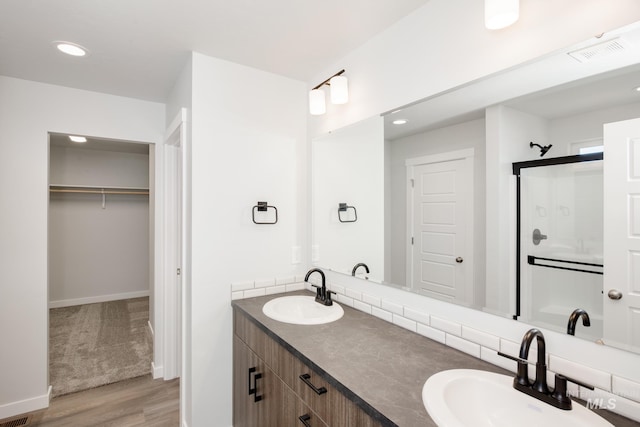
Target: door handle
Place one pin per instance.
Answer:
(614, 294)
(254, 390)
(459, 260)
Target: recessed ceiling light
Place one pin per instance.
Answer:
(71, 48)
(638, 89)
(77, 138)
(399, 122)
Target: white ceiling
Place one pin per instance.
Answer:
(138, 47)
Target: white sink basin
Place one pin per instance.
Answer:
(301, 310)
(467, 397)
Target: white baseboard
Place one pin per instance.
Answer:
(25, 406)
(157, 371)
(99, 298)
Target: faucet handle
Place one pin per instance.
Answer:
(327, 300)
(560, 390)
(522, 375)
(318, 292)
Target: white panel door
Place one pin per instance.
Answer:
(622, 234)
(440, 230)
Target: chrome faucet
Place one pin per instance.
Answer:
(360, 264)
(323, 296)
(539, 389)
(573, 320)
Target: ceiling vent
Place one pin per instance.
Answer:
(600, 50)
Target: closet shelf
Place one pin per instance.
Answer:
(93, 189)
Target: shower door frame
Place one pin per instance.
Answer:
(517, 167)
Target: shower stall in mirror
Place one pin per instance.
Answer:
(559, 242)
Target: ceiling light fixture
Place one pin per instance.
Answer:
(400, 122)
(500, 14)
(339, 93)
(79, 139)
(71, 48)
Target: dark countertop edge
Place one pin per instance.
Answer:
(366, 407)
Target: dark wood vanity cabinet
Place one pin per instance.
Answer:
(272, 387)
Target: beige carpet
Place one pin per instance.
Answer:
(97, 344)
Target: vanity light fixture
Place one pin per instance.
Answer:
(78, 139)
(500, 14)
(72, 49)
(339, 93)
(400, 121)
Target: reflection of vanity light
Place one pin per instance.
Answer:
(79, 139)
(500, 14)
(399, 122)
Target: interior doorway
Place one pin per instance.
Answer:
(440, 226)
(100, 261)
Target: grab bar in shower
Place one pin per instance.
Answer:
(532, 261)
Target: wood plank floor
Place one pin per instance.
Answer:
(136, 402)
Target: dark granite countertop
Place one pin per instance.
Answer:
(380, 366)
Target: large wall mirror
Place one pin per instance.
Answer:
(401, 199)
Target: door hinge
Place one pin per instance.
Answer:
(412, 240)
(178, 271)
(412, 183)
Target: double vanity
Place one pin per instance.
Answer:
(358, 370)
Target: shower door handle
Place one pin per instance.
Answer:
(614, 294)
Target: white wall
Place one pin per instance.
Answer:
(451, 138)
(28, 111)
(248, 145)
(97, 254)
(348, 167)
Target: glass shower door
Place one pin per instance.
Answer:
(560, 236)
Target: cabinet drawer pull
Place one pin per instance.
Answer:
(304, 419)
(254, 390)
(306, 379)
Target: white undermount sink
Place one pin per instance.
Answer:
(468, 397)
(301, 310)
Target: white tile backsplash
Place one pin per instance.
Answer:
(295, 287)
(403, 322)
(431, 333)
(263, 283)
(416, 315)
(275, 290)
(285, 280)
(354, 294)
(482, 338)
(382, 314)
(447, 326)
(241, 286)
(359, 305)
(393, 307)
(344, 300)
(374, 301)
(593, 377)
(463, 345)
(625, 388)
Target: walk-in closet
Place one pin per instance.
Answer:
(99, 262)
